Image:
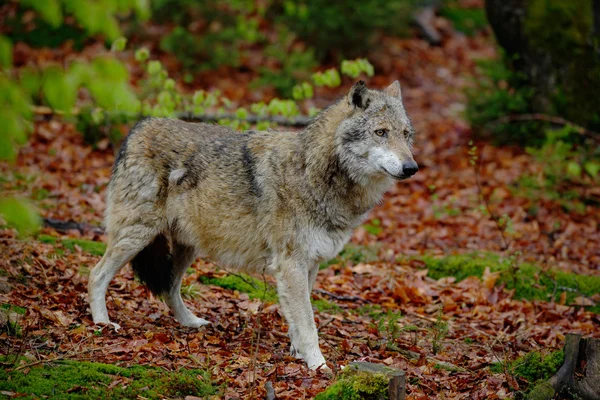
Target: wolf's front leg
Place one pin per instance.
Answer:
(294, 297)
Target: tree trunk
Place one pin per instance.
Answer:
(507, 19)
(579, 376)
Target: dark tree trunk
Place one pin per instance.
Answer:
(507, 19)
(579, 375)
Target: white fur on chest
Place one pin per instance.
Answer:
(322, 245)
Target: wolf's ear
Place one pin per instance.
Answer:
(393, 90)
(358, 95)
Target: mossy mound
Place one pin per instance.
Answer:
(528, 280)
(357, 386)
(254, 287)
(85, 380)
(87, 246)
(533, 368)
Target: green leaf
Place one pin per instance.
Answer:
(241, 113)
(20, 214)
(308, 90)
(142, 9)
(48, 10)
(592, 168)
(13, 125)
(297, 92)
(30, 80)
(7, 148)
(154, 67)
(199, 97)
(574, 169)
(119, 44)
(169, 84)
(109, 68)
(6, 52)
(59, 89)
(142, 54)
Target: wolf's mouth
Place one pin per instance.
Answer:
(396, 177)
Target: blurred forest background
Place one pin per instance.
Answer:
(492, 251)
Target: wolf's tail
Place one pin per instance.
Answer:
(154, 265)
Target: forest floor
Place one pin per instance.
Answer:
(431, 284)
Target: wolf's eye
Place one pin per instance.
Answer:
(381, 132)
(406, 133)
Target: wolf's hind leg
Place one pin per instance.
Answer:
(121, 249)
(183, 256)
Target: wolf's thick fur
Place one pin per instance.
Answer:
(272, 202)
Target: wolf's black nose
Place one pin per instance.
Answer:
(410, 168)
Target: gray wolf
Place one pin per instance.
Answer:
(261, 202)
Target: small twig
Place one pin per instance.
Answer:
(507, 119)
(65, 356)
(298, 121)
(337, 296)
(64, 226)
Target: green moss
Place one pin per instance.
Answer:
(529, 280)
(13, 308)
(355, 254)
(373, 227)
(326, 306)
(448, 367)
(47, 239)
(534, 367)
(374, 311)
(353, 385)
(89, 246)
(82, 380)
(466, 20)
(255, 288)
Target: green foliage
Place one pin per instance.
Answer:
(528, 280)
(83, 380)
(326, 306)
(569, 171)
(354, 254)
(231, 27)
(534, 367)
(254, 287)
(466, 20)
(15, 116)
(498, 93)
(88, 246)
(561, 27)
(564, 30)
(60, 20)
(438, 331)
(373, 227)
(354, 68)
(19, 214)
(6, 52)
(330, 78)
(353, 385)
(294, 66)
(345, 29)
(389, 328)
(13, 308)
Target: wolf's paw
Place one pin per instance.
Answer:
(114, 325)
(195, 322)
(323, 368)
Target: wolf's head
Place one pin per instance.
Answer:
(375, 139)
